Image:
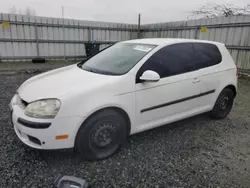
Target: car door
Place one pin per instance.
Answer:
(211, 71)
(176, 95)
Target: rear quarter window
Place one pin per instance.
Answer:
(206, 54)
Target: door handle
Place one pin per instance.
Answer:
(196, 80)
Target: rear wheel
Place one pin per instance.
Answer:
(101, 135)
(223, 104)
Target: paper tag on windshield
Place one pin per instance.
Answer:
(142, 48)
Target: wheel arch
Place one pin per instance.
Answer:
(233, 88)
(118, 109)
(222, 87)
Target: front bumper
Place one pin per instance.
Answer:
(44, 137)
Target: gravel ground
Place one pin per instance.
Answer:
(197, 152)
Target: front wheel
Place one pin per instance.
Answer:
(101, 135)
(223, 104)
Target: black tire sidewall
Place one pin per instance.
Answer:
(217, 112)
(83, 143)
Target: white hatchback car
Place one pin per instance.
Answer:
(127, 88)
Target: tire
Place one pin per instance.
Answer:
(38, 60)
(101, 135)
(223, 104)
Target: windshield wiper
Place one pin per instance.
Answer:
(98, 71)
(90, 70)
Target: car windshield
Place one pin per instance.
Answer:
(117, 59)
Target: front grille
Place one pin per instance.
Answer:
(34, 140)
(34, 125)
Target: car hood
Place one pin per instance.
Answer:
(59, 82)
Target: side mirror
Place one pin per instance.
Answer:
(150, 76)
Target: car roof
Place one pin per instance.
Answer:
(167, 41)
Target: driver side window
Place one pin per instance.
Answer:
(169, 61)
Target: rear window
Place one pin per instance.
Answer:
(206, 54)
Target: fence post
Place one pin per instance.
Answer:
(37, 41)
(196, 33)
(139, 26)
(64, 45)
(130, 34)
(12, 45)
(159, 33)
(89, 34)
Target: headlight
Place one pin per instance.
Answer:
(45, 109)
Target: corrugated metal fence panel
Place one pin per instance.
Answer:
(30, 36)
(54, 38)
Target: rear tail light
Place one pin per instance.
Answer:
(237, 71)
